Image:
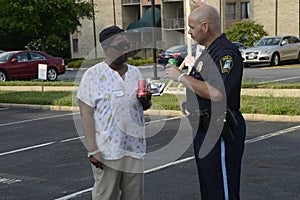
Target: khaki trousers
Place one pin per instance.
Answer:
(120, 179)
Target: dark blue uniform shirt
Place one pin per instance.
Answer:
(222, 57)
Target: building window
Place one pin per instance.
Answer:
(245, 9)
(230, 11)
(75, 45)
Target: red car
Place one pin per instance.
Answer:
(24, 65)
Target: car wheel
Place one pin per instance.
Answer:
(275, 60)
(3, 76)
(298, 60)
(51, 74)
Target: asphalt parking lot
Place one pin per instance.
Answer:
(42, 157)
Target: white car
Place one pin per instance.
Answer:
(272, 50)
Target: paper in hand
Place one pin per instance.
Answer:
(157, 89)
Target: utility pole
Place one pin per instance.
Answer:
(186, 28)
(276, 17)
(94, 30)
(154, 40)
(114, 11)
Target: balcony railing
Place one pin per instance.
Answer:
(174, 23)
(171, 0)
(130, 2)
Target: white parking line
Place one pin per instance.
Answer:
(36, 119)
(3, 109)
(9, 181)
(62, 141)
(71, 139)
(263, 137)
(276, 80)
(26, 148)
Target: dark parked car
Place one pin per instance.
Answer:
(176, 52)
(24, 65)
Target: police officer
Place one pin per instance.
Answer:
(214, 85)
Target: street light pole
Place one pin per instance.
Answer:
(154, 39)
(94, 29)
(276, 17)
(114, 11)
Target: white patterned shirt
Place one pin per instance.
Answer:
(119, 115)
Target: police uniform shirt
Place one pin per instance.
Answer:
(226, 58)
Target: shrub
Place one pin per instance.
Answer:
(246, 32)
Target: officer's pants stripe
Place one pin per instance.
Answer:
(223, 164)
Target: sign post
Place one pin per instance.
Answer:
(42, 75)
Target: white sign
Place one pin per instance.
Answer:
(42, 72)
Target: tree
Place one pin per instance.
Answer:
(246, 32)
(55, 46)
(42, 18)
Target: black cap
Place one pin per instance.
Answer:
(106, 35)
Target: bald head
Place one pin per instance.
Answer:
(208, 14)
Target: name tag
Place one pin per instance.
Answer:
(118, 93)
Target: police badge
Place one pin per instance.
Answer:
(199, 67)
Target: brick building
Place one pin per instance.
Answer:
(279, 17)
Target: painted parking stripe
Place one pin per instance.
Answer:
(281, 67)
(49, 143)
(26, 148)
(36, 119)
(277, 80)
(260, 138)
(263, 137)
(9, 181)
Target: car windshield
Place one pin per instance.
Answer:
(268, 42)
(5, 56)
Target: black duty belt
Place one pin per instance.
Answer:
(205, 113)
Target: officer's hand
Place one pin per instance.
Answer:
(183, 106)
(172, 72)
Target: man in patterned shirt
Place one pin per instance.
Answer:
(113, 120)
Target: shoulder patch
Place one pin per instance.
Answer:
(226, 64)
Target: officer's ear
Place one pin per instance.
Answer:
(205, 26)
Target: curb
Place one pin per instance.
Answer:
(169, 113)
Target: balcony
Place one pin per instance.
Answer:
(171, 0)
(174, 23)
(130, 2)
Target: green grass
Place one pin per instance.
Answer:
(273, 85)
(245, 84)
(270, 105)
(61, 98)
(38, 83)
(85, 63)
(249, 104)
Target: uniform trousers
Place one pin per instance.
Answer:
(213, 186)
(120, 179)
